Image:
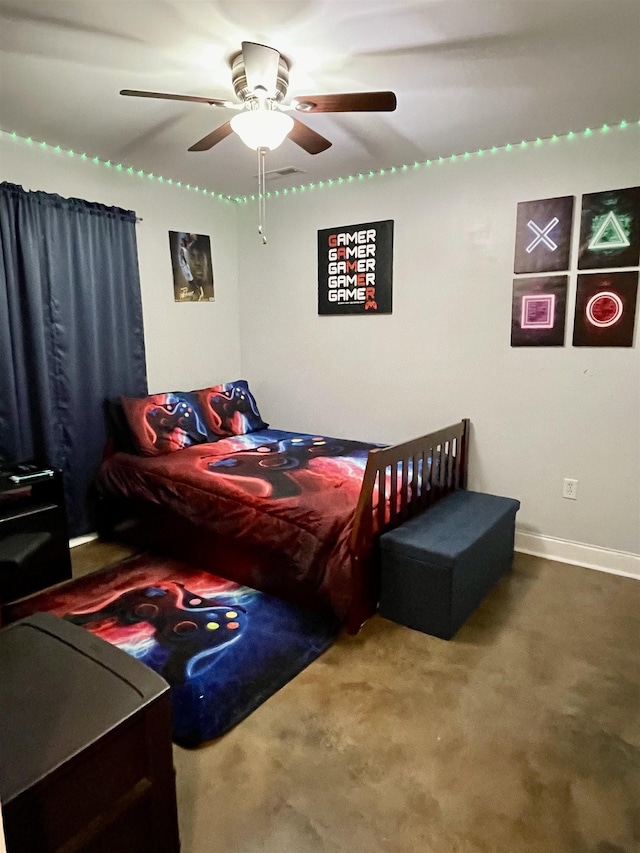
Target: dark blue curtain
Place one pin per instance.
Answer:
(71, 332)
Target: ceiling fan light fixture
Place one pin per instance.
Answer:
(262, 128)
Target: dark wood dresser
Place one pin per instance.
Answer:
(85, 745)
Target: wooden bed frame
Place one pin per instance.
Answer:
(399, 482)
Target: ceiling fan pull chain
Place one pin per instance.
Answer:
(262, 195)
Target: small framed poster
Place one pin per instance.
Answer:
(543, 235)
(355, 267)
(192, 268)
(538, 311)
(605, 309)
(610, 229)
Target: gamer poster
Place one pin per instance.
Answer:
(355, 269)
(192, 267)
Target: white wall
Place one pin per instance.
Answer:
(188, 345)
(538, 414)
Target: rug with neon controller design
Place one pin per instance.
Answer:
(223, 648)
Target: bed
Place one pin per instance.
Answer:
(293, 514)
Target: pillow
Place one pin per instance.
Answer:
(162, 423)
(230, 409)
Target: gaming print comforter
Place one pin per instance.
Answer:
(294, 493)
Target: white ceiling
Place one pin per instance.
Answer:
(468, 74)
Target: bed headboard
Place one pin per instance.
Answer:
(404, 479)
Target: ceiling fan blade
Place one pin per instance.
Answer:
(213, 138)
(260, 67)
(215, 102)
(347, 102)
(307, 138)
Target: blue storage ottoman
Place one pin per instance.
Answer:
(437, 567)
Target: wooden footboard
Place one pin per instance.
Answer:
(399, 482)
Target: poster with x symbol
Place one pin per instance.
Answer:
(543, 235)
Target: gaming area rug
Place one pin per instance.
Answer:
(223, 648)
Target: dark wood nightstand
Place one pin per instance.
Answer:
(34, 537)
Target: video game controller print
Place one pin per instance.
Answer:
(273, 462)
(175, 422)
(233, 410)
(191, 626)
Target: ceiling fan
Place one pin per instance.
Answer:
(260, 78)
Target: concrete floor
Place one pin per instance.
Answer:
(521, 735)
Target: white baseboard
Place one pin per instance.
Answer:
(564, 551)
(80, 540)
(560, 550)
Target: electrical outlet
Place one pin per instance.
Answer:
(570, 489)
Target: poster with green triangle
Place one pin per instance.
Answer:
(610, 229)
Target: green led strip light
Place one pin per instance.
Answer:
(119, 167)
(536, 143)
